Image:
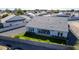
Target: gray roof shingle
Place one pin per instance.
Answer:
(16, 18)
(49, 23)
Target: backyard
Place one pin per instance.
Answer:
(39, 38)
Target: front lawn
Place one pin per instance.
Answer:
(39, 38)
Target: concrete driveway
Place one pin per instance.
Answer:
(14, 32)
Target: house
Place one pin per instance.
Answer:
(31, 15)
(30, 11)
(12, 20)
(73, 36)
(42, 13)
(3, 21)
(27, 19)
(48, 26)
(73, 18)
(63, 14)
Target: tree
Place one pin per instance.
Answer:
(8, 11)
(24, 11)
(55, 11)
(19, 12)
(72, 10)
(5, 15)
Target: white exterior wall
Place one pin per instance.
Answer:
(6, 24)
(27, 28)
(55, 33)
(35, 30)
(65, 34)
(52, 33)
(12, 27)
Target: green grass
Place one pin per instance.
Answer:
(39, 38)
(32, 39)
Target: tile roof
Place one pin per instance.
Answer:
(74, 27)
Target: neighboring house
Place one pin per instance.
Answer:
(48, 15)
(30, 11)
(31, 15)
(73, 18)
(74, 27)
(42, 13)
(48, 26)
(12, 21)
(73, 36)
(27, 19)
(63, 14)
(3, 21)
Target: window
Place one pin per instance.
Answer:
(43, 31)
(60, 34)
(68, 26)
(31, 29)
(1, 25)
(14, 20)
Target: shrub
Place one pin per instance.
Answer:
(16, 36)
(5, 15)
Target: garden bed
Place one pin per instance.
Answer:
(39, 38)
